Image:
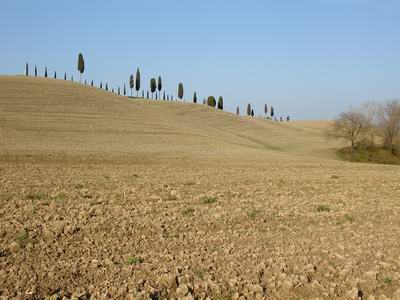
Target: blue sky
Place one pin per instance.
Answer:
(311, 59)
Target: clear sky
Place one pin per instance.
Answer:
(310, 59)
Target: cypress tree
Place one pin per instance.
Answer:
(124, 89)
(26, 69)
(65, 76)
(72, 77)
(172, 97)
(35, 71)
(180, 90)
(265, 110)
(220, 103)
(272, 111)
(91, 84)
(164, 96)
(45, 72)
(137, 83)
(194, 97)
(106, 86)
(211, 101)
(119, 91)
(85, 82)
(281, 119)
(131, 83)
(112, 90)
(156, 96)
(248, 109)
(81, 66)
(55, 74)
(287, 119)
(159, 85)
(147, 94)
(101, 85)
(167, 97)
(153, 86)
(237, 110)
(252, 113)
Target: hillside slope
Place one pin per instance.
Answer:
(40, 114)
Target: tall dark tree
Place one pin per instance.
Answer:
(45, 72)
(101, 85)
(180, 90)
(153, 86)
(211, 101)
(119, 91)
(91, 84)
(156, 96)
(167, 97)
(265, 110)
(164, 96)
(65, 76)
(137, 83)
(281, 119)
(287, 119)
(81, 66)
(55, 74)
(237, 110)
(272, 111)
(252, 113)
(85, 82)
(248, 109)
(147, 94)
(131, 83)
(159, 85)
(106, 86)
(194, 97)
(220, 103)
(112, 90)
(124, 89)
(72, 77)
(35, 71)
(27, 69)
(142, 93)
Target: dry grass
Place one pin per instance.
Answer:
(108, 197)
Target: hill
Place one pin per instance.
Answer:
(41, 114)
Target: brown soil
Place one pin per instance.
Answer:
(104, 197)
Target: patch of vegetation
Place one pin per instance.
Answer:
(188, 211)
(133, 260)
(22, 238)
(61, 196)
(252, 214)
(323, 208)
(387, 280)
(199, 272)
(371, 155)
(208, 200)
(35, 195)
(4, 253)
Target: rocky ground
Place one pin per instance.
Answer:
(80, 228)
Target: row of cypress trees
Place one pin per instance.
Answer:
(155, 85)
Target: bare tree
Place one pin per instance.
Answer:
(353, 127)
(389, 122)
